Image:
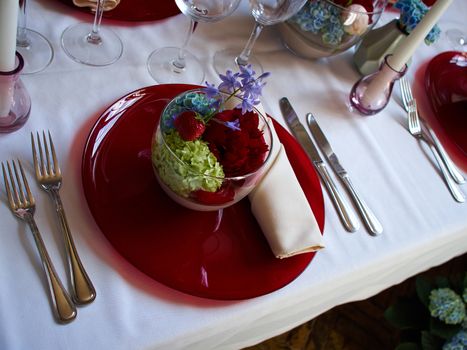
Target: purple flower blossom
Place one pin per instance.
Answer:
(235, 125)
(243, 85)
(211, 90)
(247, 104)
(247, 74)
(229, 82)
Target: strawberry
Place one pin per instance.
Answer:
(189, 126)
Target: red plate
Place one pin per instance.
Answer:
(208, 254)
(445, 82)
(137, 10)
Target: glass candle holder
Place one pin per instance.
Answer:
(15, 103)
(371, 93)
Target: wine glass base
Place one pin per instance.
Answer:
(78, 46)
(36, 51)
(162, 69)
(225, 60)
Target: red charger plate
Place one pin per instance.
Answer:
(217, 255)
(137, 10)
(446, 88)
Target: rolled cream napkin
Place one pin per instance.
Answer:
(108, 4)
(281, 208)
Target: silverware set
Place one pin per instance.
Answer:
(22, 204)
(423, 132)
(344, 210)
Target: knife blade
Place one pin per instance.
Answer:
(369, 218)
(347, 216)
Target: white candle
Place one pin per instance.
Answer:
(407, 47)
(8, 27)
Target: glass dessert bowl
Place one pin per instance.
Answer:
(206, 153)
(324, 28)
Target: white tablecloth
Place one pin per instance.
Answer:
(423, 225)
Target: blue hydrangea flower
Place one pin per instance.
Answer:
(411, 13)
(457, 342)
(464, 295)
(446, 305)
(321, 17)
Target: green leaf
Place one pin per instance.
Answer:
(407, 314)
(430, 342)
(442, 282)
(408, 346)
(423, 287)
(443, 330)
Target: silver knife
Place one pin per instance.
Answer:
(345, 212)
(368, 217)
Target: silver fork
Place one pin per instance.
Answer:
(407, 96)
(416, 130)
(22, 204)
(49, 176)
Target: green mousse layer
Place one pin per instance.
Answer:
(184, 175)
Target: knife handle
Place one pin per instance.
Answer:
(370, 220)
(346, 214)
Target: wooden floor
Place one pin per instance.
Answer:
(355, 326)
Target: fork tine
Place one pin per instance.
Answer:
(15, 195)
(408, 89)
(30, 197)
(47, 155)
(54, 155)
(20, 183)
(41, 154)
(34, 157)
(8, 188)
(405, 99)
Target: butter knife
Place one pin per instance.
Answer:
(370, 220)
(344, 211)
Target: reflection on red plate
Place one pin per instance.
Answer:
(445, 82)
(209, 254)
(138, 10)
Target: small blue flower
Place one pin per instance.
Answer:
(229, 82)
(457, 342)
(247, 74)
(411, 13)
(464, 295)
(446, 305)
(211, 90)
(235, 125)
(247, 104)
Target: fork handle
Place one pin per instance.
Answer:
(453, 187)
(455, 173)
(84, 291)
(64, 307)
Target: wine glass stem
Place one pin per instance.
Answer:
(242, 59)
(94, 37)
(179, 62)
(22, 37)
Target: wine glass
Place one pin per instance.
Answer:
(457, 39)
(94, 46)
(265, 13)
(35, 49)
(176, 64)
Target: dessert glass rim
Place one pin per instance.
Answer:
(238, 177)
